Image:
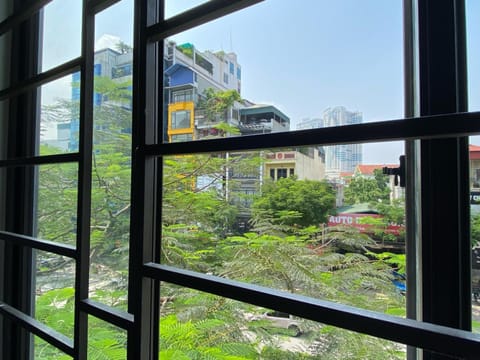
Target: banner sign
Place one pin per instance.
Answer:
(365, 223)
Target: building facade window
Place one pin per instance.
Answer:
(181, 137)
(181, 119)
(182, 96)
(281, 173)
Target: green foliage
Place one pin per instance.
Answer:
(313, 200)
(186, 49)
(110, 176)
(396, 261)
(272, 353)
(365, 190)
(344, 239)
(287, 263)
(123, 48)
(285, 250)
(475, 230)
(393, 213)
(195, 192)
(216, 103)
(55, 308)
(201, 339)
(283, 263)
(57, 219)
(343, 344)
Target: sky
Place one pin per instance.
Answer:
(301, 56)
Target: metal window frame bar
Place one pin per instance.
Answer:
(407, 331)
(96, 6)
(108, 314)
(445, 248)
(39, 244)
(412, 188)
(147, 80)
(380, 325)
(41, 160)
(42, 78)
(22, 15)
(51, 336)
(22, 125)
(410, 129)
(82, 265)
(196, 16)
(426, 127)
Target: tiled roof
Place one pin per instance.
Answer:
(368, 169)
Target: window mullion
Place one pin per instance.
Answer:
(23, 122)
(445, 247)
(82, 265)
(143, 292)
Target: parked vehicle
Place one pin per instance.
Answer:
(281, 320)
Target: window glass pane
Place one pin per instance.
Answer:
(60, 115)
(181, 119)
(331, 235)
(112, 147)
(105, 341)
(57, 203)
(195, 325)
(330, 75)
(473, 58)
(62, 27)
(6, 8)
(474, 156)
(44, 351)
(175, 7)
(54, 291)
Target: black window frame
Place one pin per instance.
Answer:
(436, 122)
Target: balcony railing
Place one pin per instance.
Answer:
(202, 121)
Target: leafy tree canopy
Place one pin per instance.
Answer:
(123, 47)
(313, 200)
(364, 190)
(216, 103)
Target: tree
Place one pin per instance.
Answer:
(312, 200)
(198, 212)
(216, 103)
(366, 190)
(110, 176)
(123, 48)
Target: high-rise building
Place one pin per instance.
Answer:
(307, 123)
(338, 158)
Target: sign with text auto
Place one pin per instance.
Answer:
(364, 222)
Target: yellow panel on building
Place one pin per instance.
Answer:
(181, 121)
